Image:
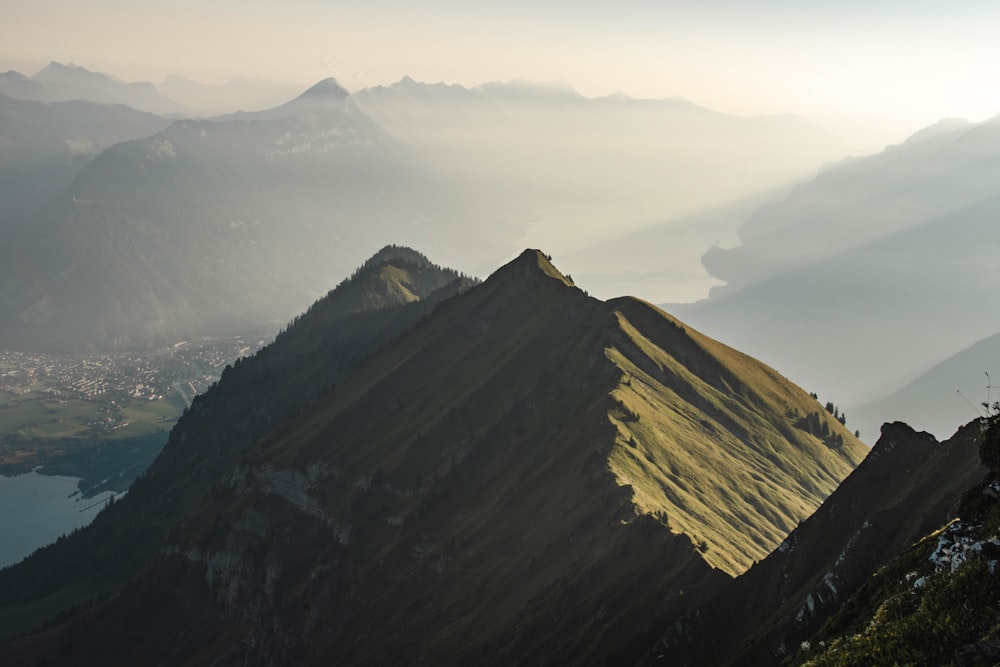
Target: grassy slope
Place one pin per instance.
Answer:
(709, 438)
(480, 494)
(475, 488)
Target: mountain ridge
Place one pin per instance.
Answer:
(57, 82)
(934, 400)
(489, 474)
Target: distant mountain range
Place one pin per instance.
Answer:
(596, 171)
(525, 474)
(207, 227)
(175, 96)
(210, 227)
(46, 145)
(886, 262)
(948, 394)
(64, 83)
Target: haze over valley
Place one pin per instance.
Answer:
(268, 317)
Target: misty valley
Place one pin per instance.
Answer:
(280, 383)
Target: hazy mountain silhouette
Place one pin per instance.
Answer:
(941, 397)
(164, 238)
(18, 86)
(62, 83)
(880, 262)
(45, 145)
(322, 102)
(213, 226)
(527, 474)
(595, 170)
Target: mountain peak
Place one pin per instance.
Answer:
(320, 100)
(535, 263)
(324, 100)
(71, 72)
(391, 252)
(328, 88)
(497, 456)
(55, 66)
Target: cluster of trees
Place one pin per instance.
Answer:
(836, 412)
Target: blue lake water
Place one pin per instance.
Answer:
(36, 509)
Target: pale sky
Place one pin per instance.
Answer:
(915, 61)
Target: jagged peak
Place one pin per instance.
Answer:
(56, 66)
(893, 430)
(61, 70)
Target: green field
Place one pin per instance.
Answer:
(143, 418)
(36, 415)
(103, 418)
(102, 442)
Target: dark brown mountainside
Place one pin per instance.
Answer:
(935, 603)
(909, 485)
(529, 476)
(384, 298)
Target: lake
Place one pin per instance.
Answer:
(36, 509)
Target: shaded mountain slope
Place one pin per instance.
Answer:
(935, 603)
(913, 226)
(502, 484)
(907, 486)
(249, 400)
(57, 82)
(46, 145)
